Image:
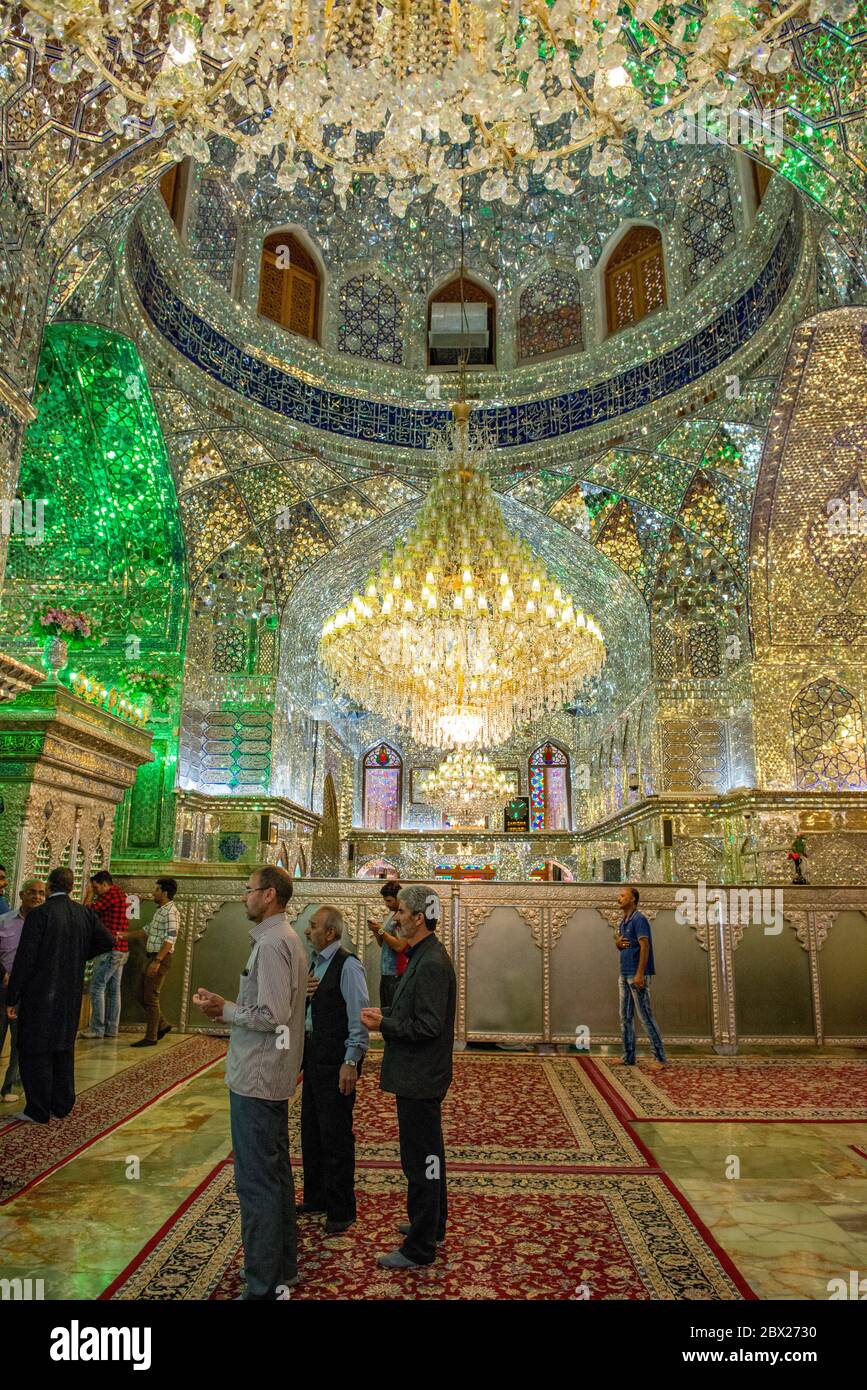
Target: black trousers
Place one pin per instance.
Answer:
(48, 1079)
(423, 1160)
(387, 986)
(327, 1143)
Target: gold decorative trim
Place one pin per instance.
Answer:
(19, 405)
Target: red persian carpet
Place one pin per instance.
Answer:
(807, 1090)
(28, 1153)
(520, 1234)
(521, 1109)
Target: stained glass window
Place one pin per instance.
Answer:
(550, 792)
(550, 315)
(635, 278)
(371, 320)
(383, 769)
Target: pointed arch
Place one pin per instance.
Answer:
(550, 315)
(634, 277)
(550, 788)
(828, 738)
(326, 844)
(371, 319)
(42, 858)
(445, 324)
(382, 787)
(290, 283)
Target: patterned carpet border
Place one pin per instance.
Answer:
(516, 1235)
(29, 1153)
(546, 1112)
(737, 1090)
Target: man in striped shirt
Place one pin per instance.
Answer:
(266, 1044)
(160, 936)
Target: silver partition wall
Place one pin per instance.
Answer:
(537, 961)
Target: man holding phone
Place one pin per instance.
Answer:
(635, 944)
(392, 959)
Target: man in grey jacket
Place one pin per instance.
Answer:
(266, 1044)
(419, 1031)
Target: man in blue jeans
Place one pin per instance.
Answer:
(635, 944)
(111, 906)
(266, 1045)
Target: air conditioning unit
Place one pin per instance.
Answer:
(458, 326)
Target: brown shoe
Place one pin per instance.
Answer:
(656, 1066)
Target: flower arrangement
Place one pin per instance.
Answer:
(76, 629)
(156, 684)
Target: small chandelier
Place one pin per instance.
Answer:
(466, 786)
(419, 93)
(461, 634)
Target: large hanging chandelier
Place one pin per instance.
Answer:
(466, 786)
(420, 93)
(461, 634)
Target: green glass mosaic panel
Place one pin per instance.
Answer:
(146, 801)
(112, 543)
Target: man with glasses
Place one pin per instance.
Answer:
(266, 1044)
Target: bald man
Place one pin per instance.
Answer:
(335, 1045)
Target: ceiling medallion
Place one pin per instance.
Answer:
(461, 634)
(419, 93)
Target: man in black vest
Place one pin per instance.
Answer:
(334, 1048)
(419, 1034)
(44, 994)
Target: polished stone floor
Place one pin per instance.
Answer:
(795, 1218)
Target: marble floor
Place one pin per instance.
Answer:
(795, 1218)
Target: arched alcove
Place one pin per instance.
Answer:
(290, 284)
(453, 332)
(633, 277)
(550, 788)
(326, 841)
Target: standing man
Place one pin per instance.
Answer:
(635, 944)
(335, 1043)
(419, 1033)
(11, 923)
(4, 884)
(44, 995)
(266, 1044)
(109, 902)
(160, 937)
(392, 957)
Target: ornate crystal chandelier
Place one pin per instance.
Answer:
(461, 634)
(420, 93)
(466, 786)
